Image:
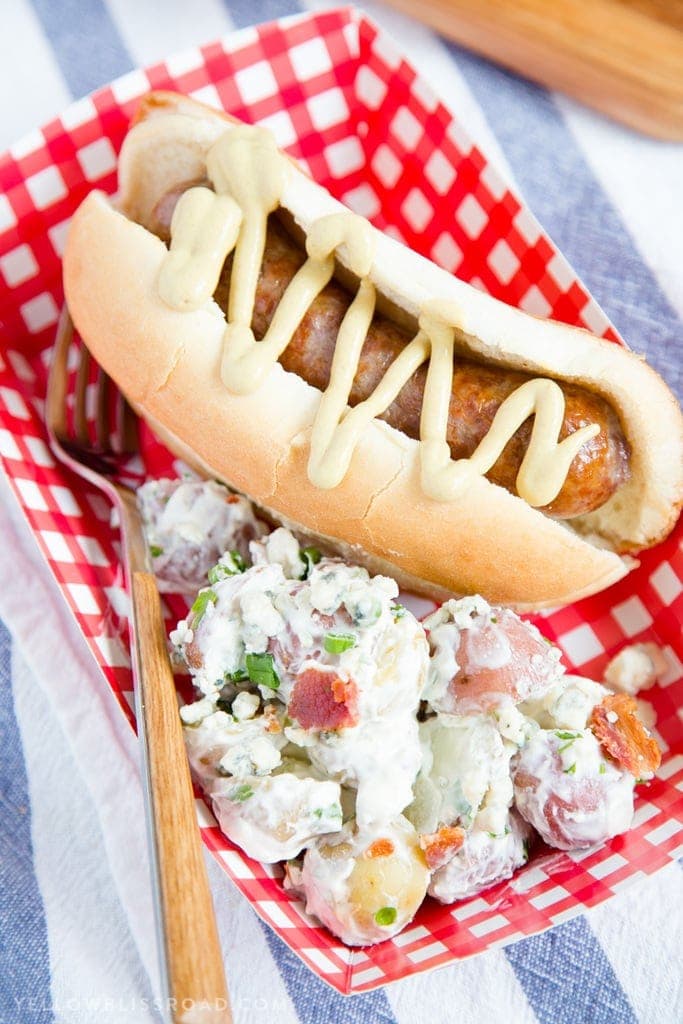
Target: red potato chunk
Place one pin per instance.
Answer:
(483, 860)
(569, 792)
(497, 658)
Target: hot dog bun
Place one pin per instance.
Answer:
(168, 364)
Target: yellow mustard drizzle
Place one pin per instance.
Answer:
(204, 228)
(249, 175)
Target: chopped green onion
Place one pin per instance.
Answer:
(155, 550)
(240, 676)
(261, 671)
(568, 735)
(333, 811)
(311, 557)
(494, 619)
(337, 643)
(398, 611)
(565, 745)
(204, 599)
(222, 570)
(241, 793)
(385, 916)
(602, 768)
(571, 769)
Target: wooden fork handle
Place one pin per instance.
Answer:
(196, 977)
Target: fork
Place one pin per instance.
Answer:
(97, 448)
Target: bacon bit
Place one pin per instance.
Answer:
(440, 847)
(321, 700)
(623, 736)
(232, 499)
(271, 719)
(380, 848)
(339, 691)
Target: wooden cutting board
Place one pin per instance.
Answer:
(623, 57)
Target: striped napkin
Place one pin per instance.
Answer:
(76, 938)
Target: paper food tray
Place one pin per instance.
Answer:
(339, 96)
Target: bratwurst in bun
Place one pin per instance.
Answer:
(353, 390)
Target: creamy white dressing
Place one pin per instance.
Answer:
(355, 912)
(275, 817)
(189, 524)
(237, 622)
(475, 664)
(340, 628)
(483, 860)
(297, 623)
(379, 759)
(219, 743)
(260, 619)
(465, 775)
(490, 655)
(461, 611)
(578, 796)
(567, 705)
(514, 726)
(194, 714)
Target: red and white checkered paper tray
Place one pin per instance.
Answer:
(340, 97)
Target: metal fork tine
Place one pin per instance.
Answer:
(129, 427)
(103, 411)
(56, 405)
(80, 397)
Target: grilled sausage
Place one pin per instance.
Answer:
(601, 466)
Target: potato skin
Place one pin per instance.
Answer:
(394, 880)
(381, 892)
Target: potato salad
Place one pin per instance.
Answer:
(188, 524)
(384, 759)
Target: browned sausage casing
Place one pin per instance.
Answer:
(478, 390)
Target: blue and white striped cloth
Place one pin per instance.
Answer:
(76, 939)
